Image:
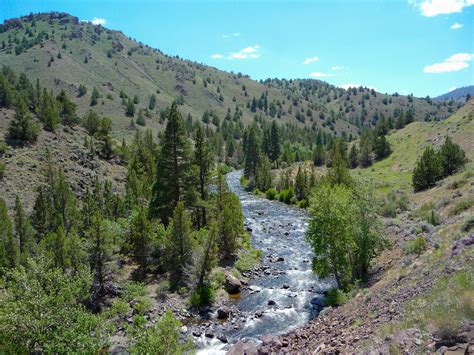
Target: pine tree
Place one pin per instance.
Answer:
(452, 157)
(203, 161)
(382, 148)
(22, 126)
(263, 176)
(152, 103)
(205, 257)
(318, 155)
(230, 221)
(67, 110)
(130, 108)
(82, 90)
(300, 184)
(24, 232)
(141, 235)
(251, 151)
(179, 243)
(173, 168)
(41, 216)
(275, 149)
(95, 96)
(353, 157)
(427, 171)
(101, 248)
(9, 248)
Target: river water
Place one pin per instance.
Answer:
(287, 294)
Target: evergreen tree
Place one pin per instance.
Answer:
(263, 176)
(203, 161)
(24, 232)
(22, 126)
(152, 103)
(173, 168)
(427, 171)
(67, 110)
(452, 157)
(353, 157)
(179, 243)
(275, 149)
(82, 90)
(9, 248)
(95, 96)
(141, 235)
(318, 155)
(130, 108)
(205, 257)
(382, 148)
(101, 248)
(300, 184)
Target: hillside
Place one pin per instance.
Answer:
(457, 94)
(65, 53)
(409, 143)
(415, 301)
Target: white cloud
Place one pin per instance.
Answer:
(456, 62)
(452, 89)
(431, 8)
(217, 56)
(456, 26)
(251, 52)
(337, 68)
(317, 74)
(310, 60)
(351, 85)
(98, 21)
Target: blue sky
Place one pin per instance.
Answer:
(423, 47)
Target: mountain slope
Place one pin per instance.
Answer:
(457, 94)
(65, 53)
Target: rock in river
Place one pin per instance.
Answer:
(232, 284)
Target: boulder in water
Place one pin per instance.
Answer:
(271, 303)
(223, 312)
(232, 284)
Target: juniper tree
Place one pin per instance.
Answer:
(452, 157)
(428, 170)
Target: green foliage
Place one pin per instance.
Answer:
(427, 171)
(82, 90)
(179, 244)
(173, 168)
(134, 290)
(95, 96)
(461, 206)
(42, 311)
(263, 176)
(271, 193)
(164, 338)
(203, 295)
(416, 246)
(2, 170)
(141, 238)
(393, 203)
(427, 212)
(9, 248)
(335, 297)
(452, 157)
(286, 195)
(22, 127)
(343, 232)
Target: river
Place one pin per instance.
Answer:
(286, 294)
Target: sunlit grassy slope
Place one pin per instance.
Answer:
(408, 144)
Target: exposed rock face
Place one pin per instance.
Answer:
(232, 284)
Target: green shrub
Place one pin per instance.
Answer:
(142, 305)
(217, 278)
(256, 191)
(134, 290)
(243, 181)
(427, 213)
(119, 308)
(163, 289)
(3, 147)
(286, 195)
(248, 259)
(202, 296)
(392, 203)
(461, 206)
(416, 246)
(335, 297)
(271, 193)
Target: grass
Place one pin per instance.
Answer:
(461, 206)
(444, 310)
